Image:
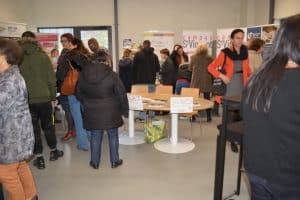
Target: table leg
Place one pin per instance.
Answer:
(174, 128)
(132, 137)
(174, 144)
(131, 123)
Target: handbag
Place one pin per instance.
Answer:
(219, 87)
(70, 81)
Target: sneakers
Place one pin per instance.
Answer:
(69, 135)
(55, 154)
(39, 162)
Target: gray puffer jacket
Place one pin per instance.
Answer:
(16, 132)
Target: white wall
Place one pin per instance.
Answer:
(137, 16)
(72, 12)
(285, 8)
(14, 11)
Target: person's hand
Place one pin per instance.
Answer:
(225, 79)
(54, 103)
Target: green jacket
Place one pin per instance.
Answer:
(36, 68)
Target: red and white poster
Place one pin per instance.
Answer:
(191, 39)
(48, 41)
(160, 40)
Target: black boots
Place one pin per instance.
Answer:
(55, 154)
(39, 162)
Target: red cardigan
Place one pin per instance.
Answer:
(229, 68)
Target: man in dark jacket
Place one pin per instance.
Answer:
(167, 71)
(145, 65)
(36, 68)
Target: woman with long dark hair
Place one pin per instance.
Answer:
(78, 57)
(271, 111)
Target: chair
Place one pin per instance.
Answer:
(191, 92)
(137, 89)
(231, 130)
(164, 89)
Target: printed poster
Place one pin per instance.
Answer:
(160, 40)
(48, 41)
(268, 33)
(254, 32)
(12, 30)
(127, 44)
(191, 39)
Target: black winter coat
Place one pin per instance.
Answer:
(145, 67)
(125, 72)
(168, 72)
(103, 97)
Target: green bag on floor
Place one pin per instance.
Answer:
(154, 130)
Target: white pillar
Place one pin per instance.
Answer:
(174, 128)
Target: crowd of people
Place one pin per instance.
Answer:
(30, 80)
(94, 99)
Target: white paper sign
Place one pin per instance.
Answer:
(135, 102)
(181, 104)
(8, 29)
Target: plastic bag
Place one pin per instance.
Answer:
(154, 130)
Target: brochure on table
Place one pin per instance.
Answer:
(160, 40)
(192, 38)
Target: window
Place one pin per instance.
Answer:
(101, 33)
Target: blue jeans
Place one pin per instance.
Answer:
(262, 189)
(180, 85)
(96, 144)
(81, 133)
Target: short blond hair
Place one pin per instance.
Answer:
(201, 49)
(126, 53)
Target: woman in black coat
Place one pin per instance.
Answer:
(104, 101)
(125, 69)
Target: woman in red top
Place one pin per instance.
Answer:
(236, 65)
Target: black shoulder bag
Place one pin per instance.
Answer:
(219, 87)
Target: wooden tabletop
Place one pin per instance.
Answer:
(161, 102)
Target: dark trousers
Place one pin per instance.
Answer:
(262, 189)
(206, 95)
(70, 121)
(41, 114)
(1, 193)
(96, 144)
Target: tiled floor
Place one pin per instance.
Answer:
(146, 174)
